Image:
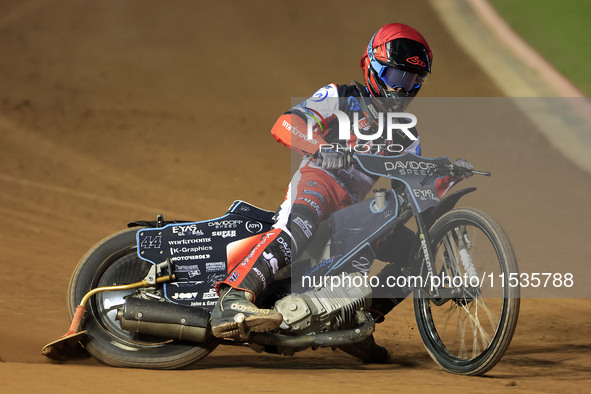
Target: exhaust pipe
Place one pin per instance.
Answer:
(322, 339)
(165, 320)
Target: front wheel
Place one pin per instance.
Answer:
(467, 312)
(114, 261)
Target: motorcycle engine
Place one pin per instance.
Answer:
(325, 308)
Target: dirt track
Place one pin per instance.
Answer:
(113, 111)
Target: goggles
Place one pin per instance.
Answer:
(395, 78)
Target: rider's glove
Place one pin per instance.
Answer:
(333, 159)
(461, 169)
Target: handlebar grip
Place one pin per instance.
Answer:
(453, 169)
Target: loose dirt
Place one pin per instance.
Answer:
(114, 111)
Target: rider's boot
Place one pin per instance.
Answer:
(367, 350)
(235, 315)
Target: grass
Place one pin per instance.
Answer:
(560, 30)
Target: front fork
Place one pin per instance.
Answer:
(427, 251)
(463, 243)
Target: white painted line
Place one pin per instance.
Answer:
(563, 116)
(523, 51)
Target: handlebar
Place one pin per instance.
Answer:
(347, 161)
(454, 169)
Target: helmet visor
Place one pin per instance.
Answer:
(396, 78)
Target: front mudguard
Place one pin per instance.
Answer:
(447, 204)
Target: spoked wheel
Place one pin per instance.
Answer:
(114, 261)
(467, 324)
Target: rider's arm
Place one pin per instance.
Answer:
(291, 129)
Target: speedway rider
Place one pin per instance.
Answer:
(395, 65)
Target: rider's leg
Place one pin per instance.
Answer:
(254, 273)
(367, 350)
(312, 195)
(235, 314)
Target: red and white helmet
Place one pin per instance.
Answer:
(397, 56)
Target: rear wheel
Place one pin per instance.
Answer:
(114, 261)
(468, 324)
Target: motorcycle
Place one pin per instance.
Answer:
(142, 297)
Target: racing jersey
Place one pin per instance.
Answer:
(326, 111)
(322, 111)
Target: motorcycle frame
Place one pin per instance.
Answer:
(407, 207)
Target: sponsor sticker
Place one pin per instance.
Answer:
(215, 266)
